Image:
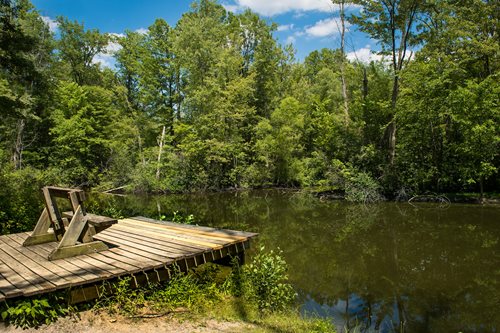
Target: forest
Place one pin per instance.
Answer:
(215, 103)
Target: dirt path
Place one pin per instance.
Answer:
(103, 323)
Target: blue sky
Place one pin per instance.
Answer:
(307, 24)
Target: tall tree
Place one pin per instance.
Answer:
(342, 4)
(393, 24)
(78, 47)
(450, 125)
(25, 55)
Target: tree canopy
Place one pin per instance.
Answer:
(216, 102)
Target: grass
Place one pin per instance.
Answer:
(239, 310)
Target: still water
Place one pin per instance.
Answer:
(389, 267)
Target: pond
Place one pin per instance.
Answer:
(388, 267)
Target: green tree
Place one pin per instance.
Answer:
(78, 47)
(91, 133)
(393, 24)
(26, 46)
(451, 119)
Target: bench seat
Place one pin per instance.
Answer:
(98, 221)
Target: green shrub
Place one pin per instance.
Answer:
(34, 312)
(267, 282)
(360, 187)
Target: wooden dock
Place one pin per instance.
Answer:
(143, 248)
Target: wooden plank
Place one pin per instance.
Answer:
(78, 222)
(153, 234)
(71, 267)
(187, 239)
(212, 235)
(52, 267)
(15, 279)
(195, 227)
(7, 288)
(78, 250)
(77, 261)
(36, 268)
(94, 266)
(215, 233)
(43, 224)
(162, 247)
(137, 250)
(126, 267)
(131, 246)
(96, 220)
(158, 227)
(133, 235)
(23, 278)
(55, 217)
(131, 258)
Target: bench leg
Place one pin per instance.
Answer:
(77, 250)
(41, 232)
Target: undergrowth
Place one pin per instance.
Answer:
(35, 311)
(257, 294)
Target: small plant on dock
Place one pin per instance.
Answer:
(36, 311)
(178, 217)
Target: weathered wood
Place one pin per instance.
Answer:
(77, 250)
(145, 244)
(40, 239)
(8, 289)
(154, 238)
(179, 228)
(75, 229)
(71, 235)
(49, 266)
(185, 238)
(54, 216)
(138, 248)
(44, 252)
(95, 220)
(146, 251)
(43, 224)
(194, 227)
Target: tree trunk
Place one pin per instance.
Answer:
(342, 64)
(17, 156)
(391, 129)
(159, 153)
(365, 84)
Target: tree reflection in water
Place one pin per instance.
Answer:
(389, 267)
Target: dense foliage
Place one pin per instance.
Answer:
(215, 102)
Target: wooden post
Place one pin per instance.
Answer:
(41, 232)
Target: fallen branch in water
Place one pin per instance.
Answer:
(115, 189)
(442, 200)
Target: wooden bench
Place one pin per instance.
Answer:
(73, 230)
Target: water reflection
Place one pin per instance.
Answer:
(385, 268)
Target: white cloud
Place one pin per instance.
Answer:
(142, 31)
(290, 40)
(285, 27)
(114, 46)
(53, 24)
(364, 54)
(231, 8)
(324, 28)
(105, 60)
(274, 7)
